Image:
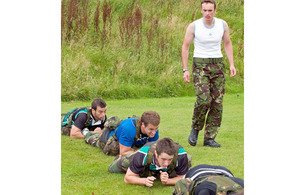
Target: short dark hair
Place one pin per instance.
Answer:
(166, 145)
(151, 117)
(98, 102)
(209, 1)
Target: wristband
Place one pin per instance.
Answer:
(185, 69)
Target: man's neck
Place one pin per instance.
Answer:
(209, 23)
(95, 119)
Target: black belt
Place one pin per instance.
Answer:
(208, 60)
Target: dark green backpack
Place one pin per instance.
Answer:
(113, 122)
(67, 117)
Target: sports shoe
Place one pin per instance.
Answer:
(211, 143)
(193, 137)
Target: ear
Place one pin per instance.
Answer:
(93, 111)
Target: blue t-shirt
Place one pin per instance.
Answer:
(126, 133)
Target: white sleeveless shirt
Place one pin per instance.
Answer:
(207, 41)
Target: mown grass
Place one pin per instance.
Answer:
(132, 48)
(84, 169)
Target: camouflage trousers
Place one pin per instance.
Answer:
(93, 138)
(109, 145)
(121, 163)
(209, 86)
(65, 130)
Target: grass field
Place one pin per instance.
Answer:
(132, 48)
(84, 169)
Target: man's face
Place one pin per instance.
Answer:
(208, 11)
(164, 160)
(99, 113)
(149, 130)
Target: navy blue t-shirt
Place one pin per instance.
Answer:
(139, 161)
(79, 119)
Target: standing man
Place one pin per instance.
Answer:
(208, 71)
(84, 119)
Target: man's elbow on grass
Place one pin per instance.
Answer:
(76, 134)
(132, 178)
(73, 134)
(126, 177)
(126, 180)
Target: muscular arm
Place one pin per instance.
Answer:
(189, 36)
(132, 178)
(76, 132)
(228, 49)
(124, 150)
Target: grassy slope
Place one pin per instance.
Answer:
(84, 169)
(121, 71)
